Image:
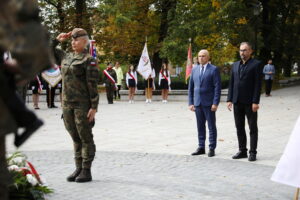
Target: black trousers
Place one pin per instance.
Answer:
(240, 112)
(50, 92)
(117, 92)
(110, 93)
(268, 86)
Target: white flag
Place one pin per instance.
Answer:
(144, 67)
(52, 76)
(288, 167)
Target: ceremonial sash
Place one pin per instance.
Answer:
(164, 76)
(131, 76)
(166, 79)
(40, 84)
(110, 78)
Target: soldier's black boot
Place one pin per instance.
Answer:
(75, 174)
(84, 176)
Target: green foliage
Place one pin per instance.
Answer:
(121, 27)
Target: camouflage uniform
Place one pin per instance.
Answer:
(79, 93)
(109, 85)
(22, 34)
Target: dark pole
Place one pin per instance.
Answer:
(255, 38)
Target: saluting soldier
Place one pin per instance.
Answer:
(79, 100)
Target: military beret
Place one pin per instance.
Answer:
(78, 32)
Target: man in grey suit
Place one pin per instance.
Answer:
(269, 71)
(204, 98)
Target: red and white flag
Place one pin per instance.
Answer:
(92, 49)
(189, 63)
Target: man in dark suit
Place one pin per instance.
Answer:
(244, 94)
(204, 98)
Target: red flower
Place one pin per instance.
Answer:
(25, 171)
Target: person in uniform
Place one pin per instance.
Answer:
(79, 100)
(164, 81)
(131, 82)
(23, 35)
(110, 81)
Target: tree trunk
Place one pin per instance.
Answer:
(265, 51)
(82, 19)
(166, 16)
(61, 16)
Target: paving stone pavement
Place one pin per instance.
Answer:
(135, 176)
(143, 152)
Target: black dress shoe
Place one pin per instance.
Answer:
(252, 157)
(53, 106)
(211, 153)
(240, 154)
(199, 151)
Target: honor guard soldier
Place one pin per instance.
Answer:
(79, 99)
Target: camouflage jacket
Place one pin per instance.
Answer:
(80, 76)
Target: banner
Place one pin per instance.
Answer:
(92, 49)
(144, 67)
(52, 76)
(189, 63)
(288, 168)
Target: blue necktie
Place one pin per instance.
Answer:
(201, 72)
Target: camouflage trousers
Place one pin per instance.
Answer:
(4, 175)
(79, 128)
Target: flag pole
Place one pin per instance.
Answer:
(148, 87)
(49, 95)
(297, 194)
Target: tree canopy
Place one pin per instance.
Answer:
(120, 28)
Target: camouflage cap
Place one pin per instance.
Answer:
(78, 32)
